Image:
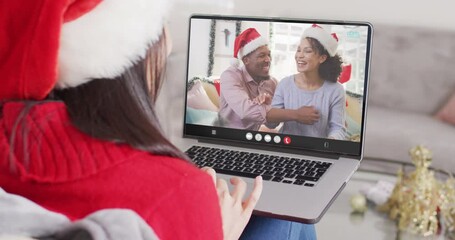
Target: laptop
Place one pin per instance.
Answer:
(303, 174)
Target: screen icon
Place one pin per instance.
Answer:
(258, 137)
(326, 144)
(287, 140)
(277, 139)
(249, 136)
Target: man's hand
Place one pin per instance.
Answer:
(263, 98)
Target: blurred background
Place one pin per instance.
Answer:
(434, 14)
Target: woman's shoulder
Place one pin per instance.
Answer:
(334, 86)
(287, 80)
(66, 154)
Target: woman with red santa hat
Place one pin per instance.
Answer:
(78, 128)
(316, 86)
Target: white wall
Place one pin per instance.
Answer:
(435, 13)
(199, 48)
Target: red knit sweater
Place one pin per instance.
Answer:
(67, 171)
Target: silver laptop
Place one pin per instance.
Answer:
(303, 174)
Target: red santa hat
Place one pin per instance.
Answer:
(329, 41)
(248, 41)
(65, 43)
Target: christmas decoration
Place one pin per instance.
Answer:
(211, 47)
(329, 41)
(238, 28)
(203, 79)
(248, 41)
(420, 203)
(358, 203)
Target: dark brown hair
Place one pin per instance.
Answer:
(121, 109)
(330, 69)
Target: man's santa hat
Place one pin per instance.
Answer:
(248, 41)
(328, 41)
(47, 44)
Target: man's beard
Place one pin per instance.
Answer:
(262, 78)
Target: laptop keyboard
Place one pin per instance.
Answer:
(271, 168)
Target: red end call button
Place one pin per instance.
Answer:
(287, 140)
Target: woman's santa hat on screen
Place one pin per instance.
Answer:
(66, 43)
(329, 41)
(245, 43)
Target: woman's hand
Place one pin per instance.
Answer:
(307, 115)
(235, 213)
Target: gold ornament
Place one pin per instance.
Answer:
(419, 202)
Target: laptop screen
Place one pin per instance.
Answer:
(287, 83)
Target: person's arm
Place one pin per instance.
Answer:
(337, 119)
(305, 114)
(263, 98)
(278, 113)
(237, 98)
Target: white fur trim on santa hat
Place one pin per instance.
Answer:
(251, 46)
(106, 41)
(235, 62)
(325, 38)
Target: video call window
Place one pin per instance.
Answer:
(211, 52)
